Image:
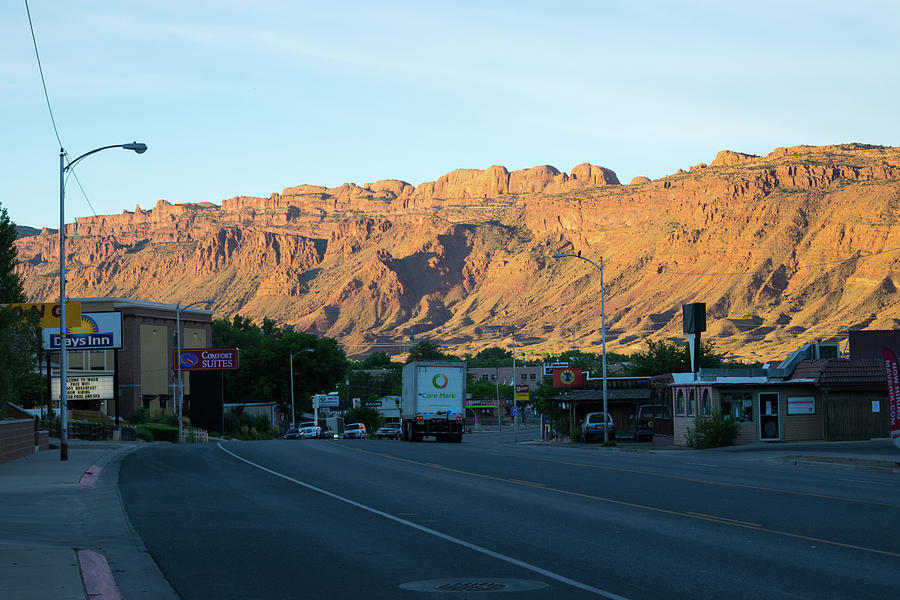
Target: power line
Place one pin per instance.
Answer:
(41, 70)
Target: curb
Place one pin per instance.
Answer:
(852, 464)
(97, 577)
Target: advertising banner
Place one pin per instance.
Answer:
(49, 312)
(568, 377)
(893, 385)
(207, 359)
(522, 392)
(327, 400)
(95, 331)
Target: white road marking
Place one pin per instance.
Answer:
(438, 534)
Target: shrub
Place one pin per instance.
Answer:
(144, 434)
(137, 417)
(576, 435)
(163, 433)
(609, 443)
(714, 431)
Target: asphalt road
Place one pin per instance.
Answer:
(388, 519)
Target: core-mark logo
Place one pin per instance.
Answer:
(440, 381)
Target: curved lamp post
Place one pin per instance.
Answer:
(178, 310)
(602, 332)
(293, 414)
(63, 358)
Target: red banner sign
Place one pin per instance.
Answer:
(893, 385)
(207, 359)
(568, 377)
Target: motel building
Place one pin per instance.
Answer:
(121, 355)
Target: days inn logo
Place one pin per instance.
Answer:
(85, 335)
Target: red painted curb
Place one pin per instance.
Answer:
(98, 579)
(89, 479)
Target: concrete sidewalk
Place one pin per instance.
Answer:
(46, 516)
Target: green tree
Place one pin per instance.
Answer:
(491, 357)
(367, 415)
(481, 388)
(264, 367)
(20, 339)
(428, 351)
(664, 357)
(377, 360)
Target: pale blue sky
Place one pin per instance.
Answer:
(249, 97)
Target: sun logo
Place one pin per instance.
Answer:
(87, 325)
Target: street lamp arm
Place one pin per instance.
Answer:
(560, 255)
(136, 146)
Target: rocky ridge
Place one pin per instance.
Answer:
(795, 246)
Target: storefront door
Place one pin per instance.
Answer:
(769, 417)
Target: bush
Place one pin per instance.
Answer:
(714, 431)
(248, 427)
(162, 433)
(138, 417)
(609, 443)
(576, 435)
(142, 433)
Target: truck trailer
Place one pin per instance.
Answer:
(432, 404)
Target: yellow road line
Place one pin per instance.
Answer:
(689, 515)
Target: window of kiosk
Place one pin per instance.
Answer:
(679, 402)
(706, 404)
(738, 405)
(692, 401)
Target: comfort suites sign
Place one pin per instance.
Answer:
(207, 359)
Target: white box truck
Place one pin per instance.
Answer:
(433, 398)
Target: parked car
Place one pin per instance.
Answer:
(355, 431)
(653, 419)
(594, 423)
(293, 434)
(390, 431)
(309, 430)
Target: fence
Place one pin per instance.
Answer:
(189, 435)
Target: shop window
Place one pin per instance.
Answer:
(524, 376)
(738, 405)
(484, 377)
(532, 376)
(494, 377)
(706, 404)
(679, 402)
(692, 402)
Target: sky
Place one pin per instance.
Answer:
(248, 97)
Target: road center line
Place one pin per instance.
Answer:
(712, 482)
(435, 533)
(689, 515)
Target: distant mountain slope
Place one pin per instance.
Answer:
(796, 246)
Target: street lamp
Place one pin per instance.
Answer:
(293, 414)
(63, 354)
(515, 404)
(178, 309)
(558, 256)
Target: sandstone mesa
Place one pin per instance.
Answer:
(796, 246)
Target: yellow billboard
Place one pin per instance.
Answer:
(49, 312)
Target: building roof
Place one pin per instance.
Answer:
(842, 373)
(129, 303)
